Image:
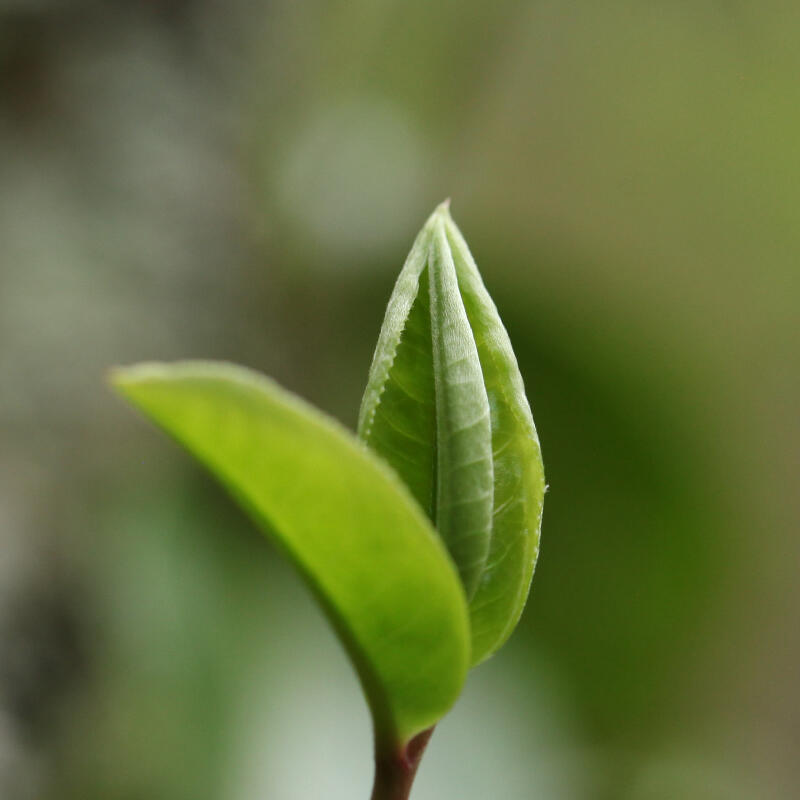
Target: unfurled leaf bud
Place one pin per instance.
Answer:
(445, 406)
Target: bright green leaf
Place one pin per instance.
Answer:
(446, 407)
(345, 520)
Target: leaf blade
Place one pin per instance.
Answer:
(275, 453)
(519, 483)
(398, 412)
(464, 480)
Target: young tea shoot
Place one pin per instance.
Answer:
(419, 535)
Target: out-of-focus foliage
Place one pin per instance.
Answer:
(177, 180)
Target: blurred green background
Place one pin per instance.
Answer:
(242, 180)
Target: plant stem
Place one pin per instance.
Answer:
(395, 769)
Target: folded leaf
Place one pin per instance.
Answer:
(463, 431)
(351, 528)
(398, 412)
(445, 406)
(519, 485)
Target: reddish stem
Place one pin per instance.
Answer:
(395, 770)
